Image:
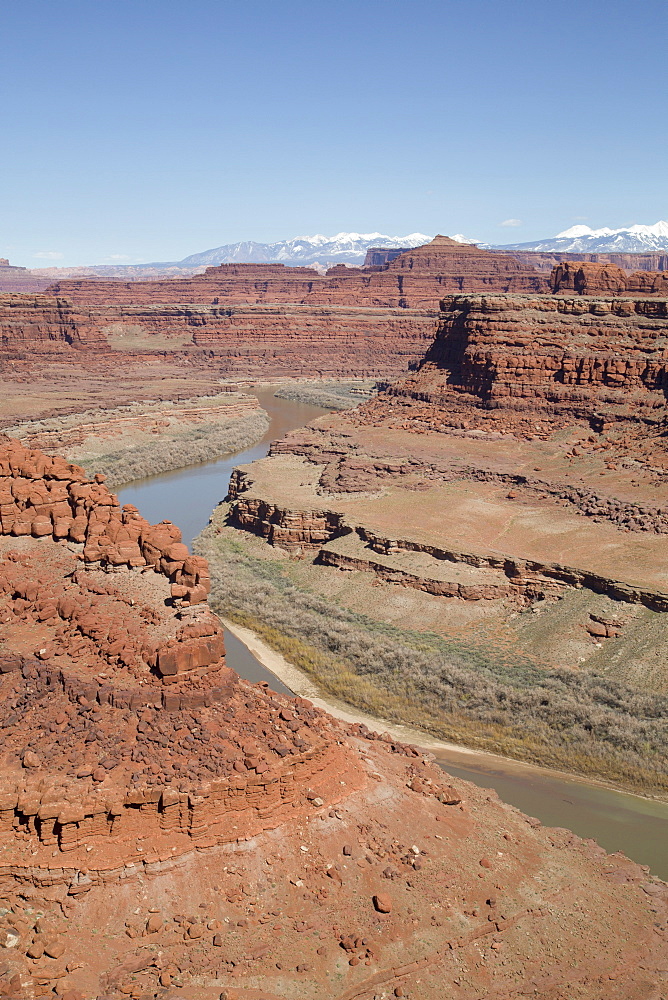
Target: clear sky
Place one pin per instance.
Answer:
(139, 130)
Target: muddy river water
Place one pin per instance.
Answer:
(618, 821)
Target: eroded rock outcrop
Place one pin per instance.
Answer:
(512, 361)
(606, 279)
(45, 323)
(107, 646)
(170, 829)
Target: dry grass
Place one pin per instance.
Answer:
(137, 440)
(572, 720)
(331, 395)
(201, 443)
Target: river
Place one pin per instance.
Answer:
(636, 826)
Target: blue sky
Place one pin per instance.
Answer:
(150, 129)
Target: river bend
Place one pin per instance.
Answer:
(618, 821)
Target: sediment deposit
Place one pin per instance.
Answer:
(142, 439)
(170, 830)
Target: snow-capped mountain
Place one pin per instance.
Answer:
(582, 239)
(344, 248)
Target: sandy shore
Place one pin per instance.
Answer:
(304, 687)
(480, 760)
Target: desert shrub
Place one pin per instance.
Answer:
(574, 720)
(331, 395)
(180, 448)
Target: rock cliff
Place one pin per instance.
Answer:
(507, 362)
(45, 323)
(267, 319)
(240, 341)
(416, 279)
(606, 279)
(521, 468)
(545, 260)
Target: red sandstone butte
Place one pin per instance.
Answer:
(606, 279)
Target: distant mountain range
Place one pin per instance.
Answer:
(317, 251)
(582, 239)
(323, 252)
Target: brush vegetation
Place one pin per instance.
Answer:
(189, 446)
(330, 395)
(572, 720)
(120, 442)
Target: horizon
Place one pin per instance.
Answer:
(141, 134)
(572, 231)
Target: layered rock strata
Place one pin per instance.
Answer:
(267, 318)
(108, 644)
(523, 462)
(514, 361)
(606, 279)
(416, 279)
(239, 341)
(45, 323)
(545, 261)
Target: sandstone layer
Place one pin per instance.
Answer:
(607, 279)
(416, 279)
(546, 260)
(254, 341)
(266, 320)
(170, 830)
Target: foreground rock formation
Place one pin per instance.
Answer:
(170, 830)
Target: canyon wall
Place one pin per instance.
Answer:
(546, 260)
(241, 341)
(416, 279)
(45, 323)
(606, 279)
(511, 360)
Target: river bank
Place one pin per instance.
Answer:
(617, 820)
(589, 808)
(141, 439)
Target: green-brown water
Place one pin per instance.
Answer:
(618, 821)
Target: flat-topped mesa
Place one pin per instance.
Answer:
(415, 279)
(503, 362)
(118, 712)
(588, 278)
(224, 283)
